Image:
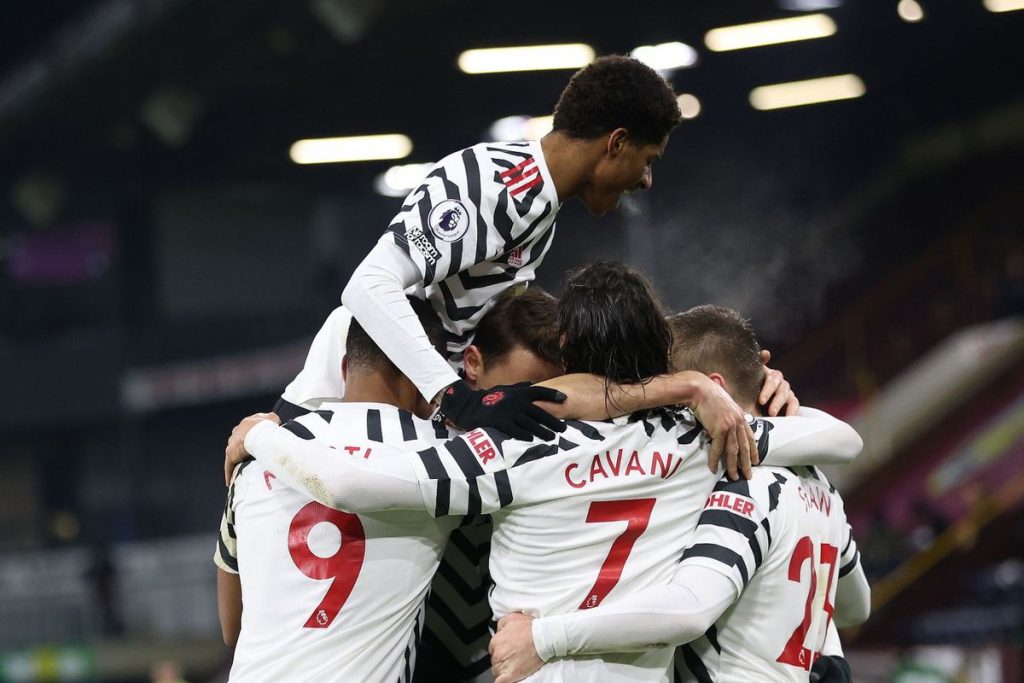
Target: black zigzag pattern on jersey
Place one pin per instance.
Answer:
(298, 430)
(454, 311)
(529, 232)
(695, 665)
(762, 441)
(712, 636)
(225, 555)
(720, 553)
(730, 520)
(499, 150)
(405, 419)
(374, 432)
(774, 490)
(423, 206)
(850, 566)
(410, 649)
(326, 415)
(504, 487)
(435, 470)
(740, 487)
(687, 438)
(479, 281)
(503, 223)
(287, 410)
(464, 458)
(473, 191)
(536, 453)
(451, 191)
(585, 429)
(458, 598)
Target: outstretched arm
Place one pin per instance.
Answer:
(658, 616)
(376, 297)
(371, 476)
(811, 437)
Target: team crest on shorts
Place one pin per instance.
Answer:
(449, 220)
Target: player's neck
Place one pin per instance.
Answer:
(569, 162)
(373, 387)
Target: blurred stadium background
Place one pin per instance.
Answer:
(164, 264)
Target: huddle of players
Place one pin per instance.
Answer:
(613, 533)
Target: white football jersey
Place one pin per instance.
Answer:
(783, 540)
(606, 509)
(328, 595)
(481, 222)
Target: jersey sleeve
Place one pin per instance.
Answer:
(468, 475)
(656, 616)
(811, 437)
(458, 217)
(733, 533)
(356, 476)
(853, 592)
(225, 555)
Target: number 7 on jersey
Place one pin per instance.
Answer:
(636, 514)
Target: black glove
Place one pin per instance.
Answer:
(507, 408)
(830, 669)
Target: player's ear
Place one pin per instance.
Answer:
(473, 363)
(616, 142)
(719, 380)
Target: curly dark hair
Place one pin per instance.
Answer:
(617, 92)
(613, 324)
(718, 339)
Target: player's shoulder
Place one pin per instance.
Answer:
(764, 488)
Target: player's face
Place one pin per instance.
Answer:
(625, 168)
(518, 365)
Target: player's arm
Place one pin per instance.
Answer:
(811, 437)
(229, 586)
(659, 616)
(410, 253)
(358, 477)
(712, 574)
(466, 475)
(853, 592)
(229, 606)
(591, 397)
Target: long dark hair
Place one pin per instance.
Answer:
(612, 324)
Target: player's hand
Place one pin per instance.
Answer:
(513, 655)
(235, 451)
(777, 390)
(732, 440)
(508, 408)
(831, 669)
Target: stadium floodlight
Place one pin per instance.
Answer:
(666, 56)
(526, 58)
(813, 91)
(1003, 5)
(910, 11)
(689, 105)
(399, 181)
(742, 36)
(355, 148)
(511, 128)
